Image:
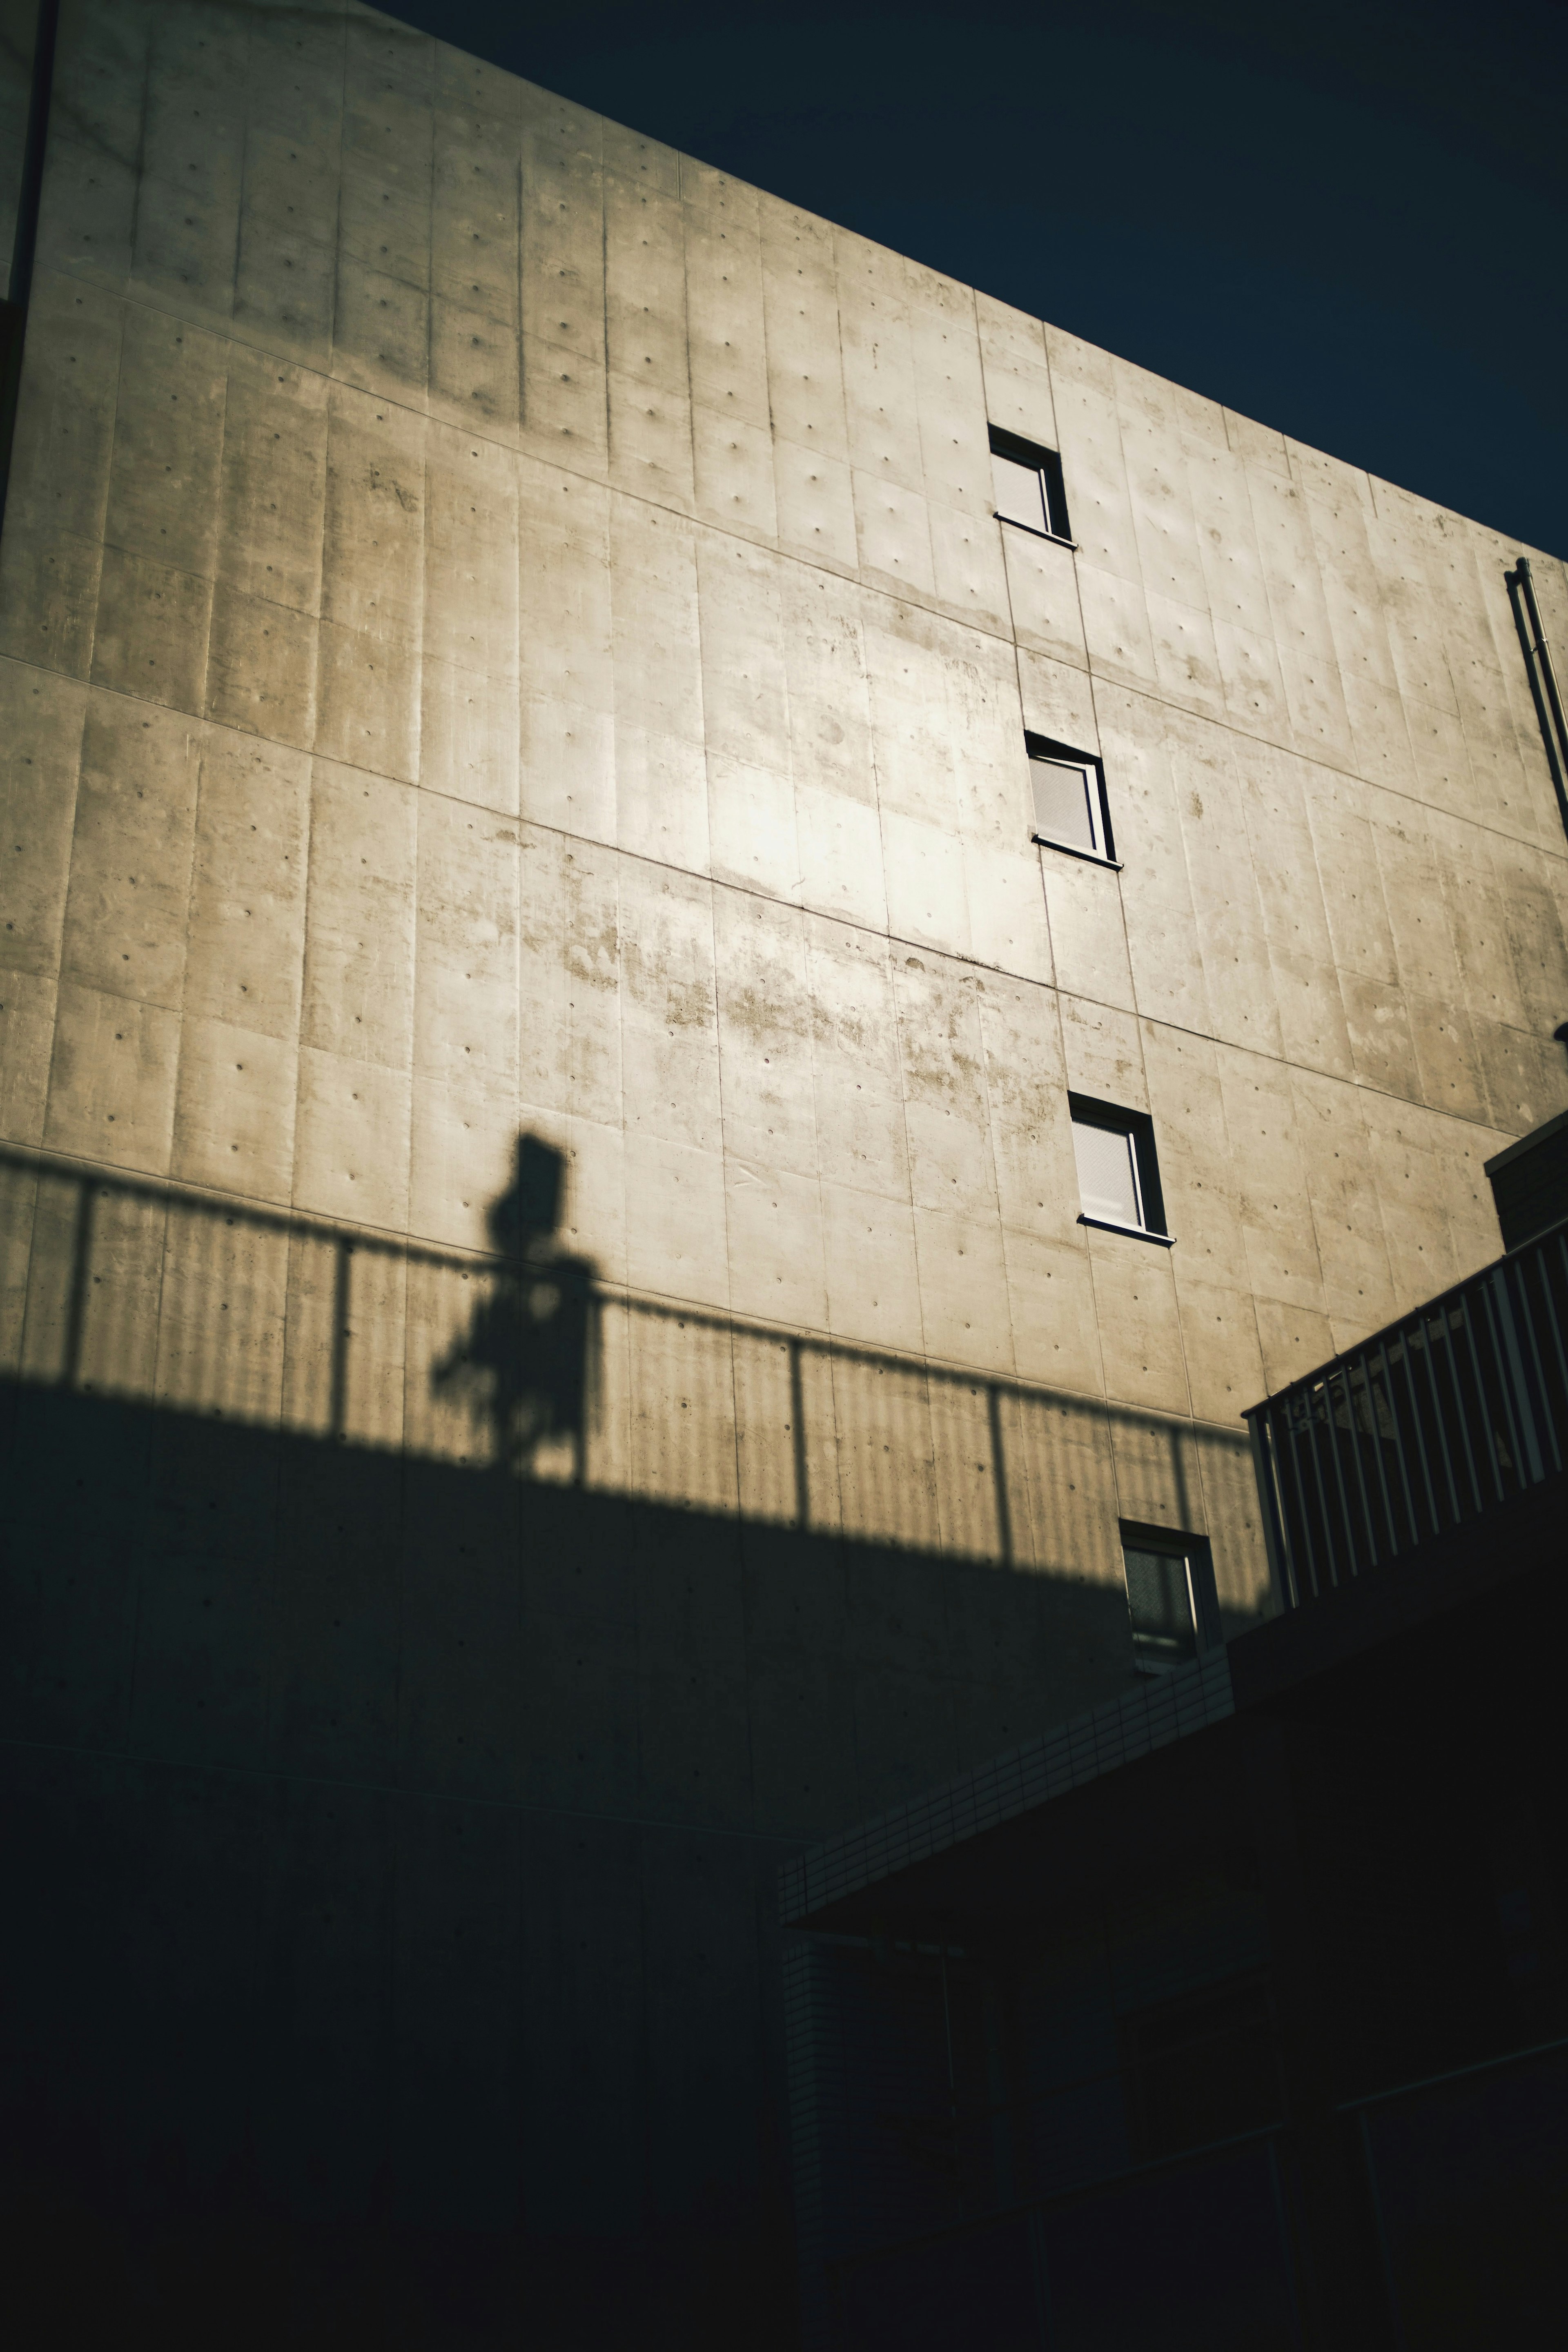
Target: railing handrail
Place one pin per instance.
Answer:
(1452, 1408)
(1432, 1306)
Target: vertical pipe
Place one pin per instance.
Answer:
(19, 280)
(19, 285)
(1541, 653)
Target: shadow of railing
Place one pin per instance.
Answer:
(519, 1357)
(410, 1707)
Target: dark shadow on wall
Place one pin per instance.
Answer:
(390, 1847)
(379, 1962)
(388, 1947)
(146, 1289)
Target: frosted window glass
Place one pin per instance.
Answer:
(1064, 803)
(1020, 493)
(1106, 1174)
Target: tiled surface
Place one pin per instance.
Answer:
(1161, 1710)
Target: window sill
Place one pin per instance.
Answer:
(1054, 536)
(1090, 856)
(1135, 1232)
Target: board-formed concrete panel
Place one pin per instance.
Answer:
(504, 633)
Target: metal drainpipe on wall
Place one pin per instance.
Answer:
(1542, 676)
(19, 280)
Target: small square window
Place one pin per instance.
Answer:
(1118, 1174)
(1071, 810)
(1170, 1596)
(1028, 485)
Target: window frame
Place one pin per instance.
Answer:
(1087, 1111)
(1196, 1554)
(1045, 751)
(1048, 463)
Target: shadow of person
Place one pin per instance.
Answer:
(523, 1362)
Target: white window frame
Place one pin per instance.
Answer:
(1046, 466)
(1084, 1110)
(1043, 752)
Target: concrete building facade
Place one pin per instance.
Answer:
(506, 633)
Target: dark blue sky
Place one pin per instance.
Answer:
(1345, 219)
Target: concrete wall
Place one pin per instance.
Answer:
(502, 631)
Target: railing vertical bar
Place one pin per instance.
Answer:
(1437, 1415)
(1451, 1358)
(1562, 1268)
(1330, 1429)
(1469, 1321)
(1295, 1455)
(1543, 1420)
(1295, 1452)
(1510, 1381)
(1276, 1540)
(1366, 1518)
(1412, 1517)
(1549, 1303)
(1501, 1304)
(1418, 1435)
(1492, 1349)
(1562, 1254)
(1506, 1386)
(76, 1302)
(1318, 1479)
(1289, 1458)
(1375, 1441)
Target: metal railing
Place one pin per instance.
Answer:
(1446, 1414)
